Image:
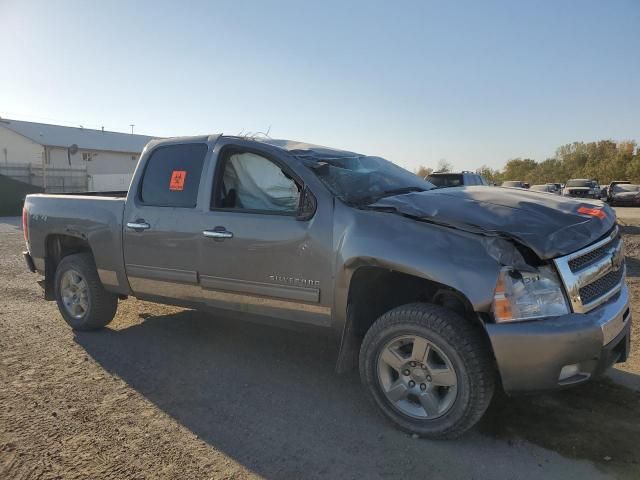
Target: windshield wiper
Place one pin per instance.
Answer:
(388, 193)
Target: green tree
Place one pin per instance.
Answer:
(492, 175)
(633, 168)
(520, 169)
(604, 160)
(549, 171)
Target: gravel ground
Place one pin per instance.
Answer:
(628, 214)
(176, 394)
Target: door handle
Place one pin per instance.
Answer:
(138, 225)
(218, 232)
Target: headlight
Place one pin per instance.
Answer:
(527, 295)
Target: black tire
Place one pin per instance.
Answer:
(467, 350)
(102, 305)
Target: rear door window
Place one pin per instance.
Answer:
(446, 180)
(172, 175)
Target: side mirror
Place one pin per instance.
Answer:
(308, 205)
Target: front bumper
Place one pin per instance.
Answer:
(531, 355)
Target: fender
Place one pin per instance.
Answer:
(456, 260)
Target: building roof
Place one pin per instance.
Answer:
(84, 138)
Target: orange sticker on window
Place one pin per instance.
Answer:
(177, 180)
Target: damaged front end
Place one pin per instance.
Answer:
(560, 312)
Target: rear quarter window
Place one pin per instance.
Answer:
(172, 175)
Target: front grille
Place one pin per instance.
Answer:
(601, 286)
(595, 273)
(578, 193)
(593, 256)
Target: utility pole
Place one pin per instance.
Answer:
(132, 125)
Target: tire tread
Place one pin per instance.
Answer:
(104, 304)
(467, 339)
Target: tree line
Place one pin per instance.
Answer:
(604, 160)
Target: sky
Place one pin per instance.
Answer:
(475, 83)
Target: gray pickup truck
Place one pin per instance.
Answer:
(439, 296)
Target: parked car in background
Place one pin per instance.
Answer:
(581, 188)
(449, 179)
(625, 194)
(613, 184)
(545, 187)
(514, 184)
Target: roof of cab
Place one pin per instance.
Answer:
(294, 147)
(306, 149)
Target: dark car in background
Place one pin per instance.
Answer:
(449, 179)
(609, 189)
(625, 194)
(545, 187)
(515, 184)
(581, 188)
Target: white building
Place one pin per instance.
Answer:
(109, 158)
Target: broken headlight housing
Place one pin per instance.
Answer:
(528, 295)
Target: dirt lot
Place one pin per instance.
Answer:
(168, 393)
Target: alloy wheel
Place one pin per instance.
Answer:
(416, 377)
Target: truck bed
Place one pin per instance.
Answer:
(94, 219)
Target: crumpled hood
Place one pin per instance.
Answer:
(548, 224)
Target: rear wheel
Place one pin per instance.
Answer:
(428, 370)
(82, 300)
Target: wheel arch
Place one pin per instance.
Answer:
(58, 246)
(374, 290)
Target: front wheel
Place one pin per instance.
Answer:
(428, 370)
(81, 297)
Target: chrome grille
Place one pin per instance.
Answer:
(591, 292)
(594, 274)
(579, 193)
(578, 263)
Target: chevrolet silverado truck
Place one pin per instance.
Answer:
(581, 187)
(439, 296)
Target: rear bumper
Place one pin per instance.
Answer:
(29, 261)
(531, 355)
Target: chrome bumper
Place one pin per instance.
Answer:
(531, 355)
(613, 316)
